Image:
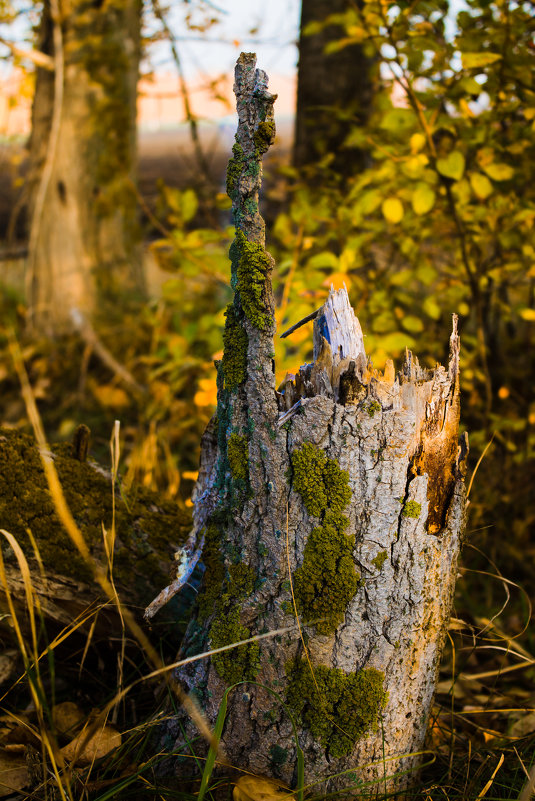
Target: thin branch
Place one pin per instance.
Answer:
(35, 56)
(190, 117)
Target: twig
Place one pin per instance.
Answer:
(35, 56)
(306, 319)
(88, 334)
(190, 117)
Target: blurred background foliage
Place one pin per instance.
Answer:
(420, 197)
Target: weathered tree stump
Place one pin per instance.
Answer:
(341, 498)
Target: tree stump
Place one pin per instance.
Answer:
(338, 500)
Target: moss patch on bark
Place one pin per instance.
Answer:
(235, 344)
(252, 269)
(327, 580)
(238, 456)
(337, 708)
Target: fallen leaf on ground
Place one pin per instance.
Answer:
(13, 774)
(83, 751)
(259, 788)
(67, 717)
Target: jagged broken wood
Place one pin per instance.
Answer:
(338, 498)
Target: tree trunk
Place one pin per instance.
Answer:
(340, 501)
(83, 155)
(334, 91)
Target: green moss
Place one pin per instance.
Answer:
(238, 456)
(147, 528)
(214, 576)
(327, 581)
(235, 344)
(278, 755)
(319, 480)
(412, 509)
(337, 708)
(234, 169)
(373, 407)
(237, 664)
(380, 559)
(242, 579)
(263, 137)
(253, 267)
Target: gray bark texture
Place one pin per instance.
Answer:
(339, 497)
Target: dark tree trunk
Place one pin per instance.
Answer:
(334, 91)
(83, 237)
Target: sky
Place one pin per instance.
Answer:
(275, 24)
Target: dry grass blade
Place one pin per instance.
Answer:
(489, 784)
(74, 533)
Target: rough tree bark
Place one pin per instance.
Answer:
(343, 491)
(83, 158)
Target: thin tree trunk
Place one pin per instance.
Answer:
(340, 499)
(83, 155)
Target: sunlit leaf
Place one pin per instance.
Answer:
(452, 165)
(412, 324)
(527, 314)
(417, 142)
(481, 185)
(392, 209)
(423, 199)
(472, 60)
(499, 172)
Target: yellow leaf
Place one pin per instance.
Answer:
(423, 199)
(392, 209)
(337, 280)
(415, 165)
(108, 395)
(452, 165)
(481, 185)
(527, 314)
(417, 142)
(499, 172)
(258, 788)
(473, 60)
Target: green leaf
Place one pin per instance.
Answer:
(412, 324)
(452, 165)
(473, 60)
(392, 209)
(528, 314)
(499, 172)
(423, 199)
(189, 204)
(369, 201)
(324, 259)
(398, 120)
(431, 308)
(481, 185)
